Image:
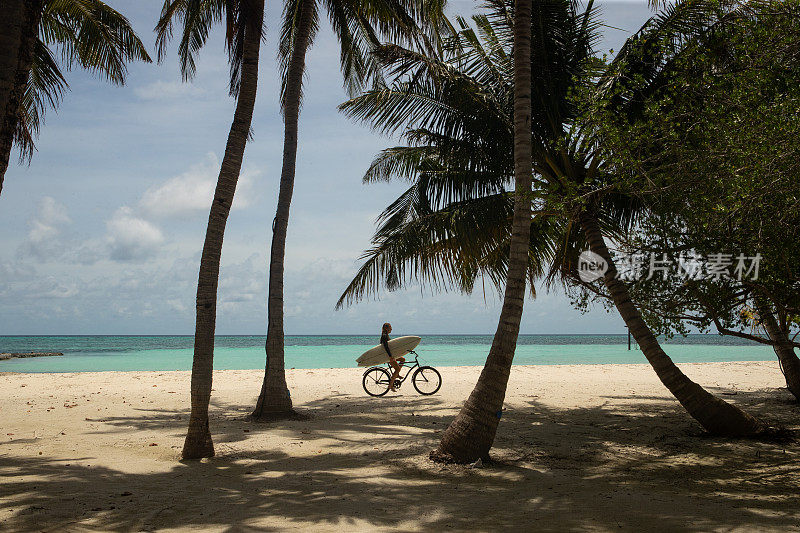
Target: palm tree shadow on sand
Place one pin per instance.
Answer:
(637, 464)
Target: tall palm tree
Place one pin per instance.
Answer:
(358, 25)
(33, 34)
(452, 225)
(244, 22)
(457, 221)
(471, 434)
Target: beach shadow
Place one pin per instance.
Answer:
(628, 467)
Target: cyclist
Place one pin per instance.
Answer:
(394, 363)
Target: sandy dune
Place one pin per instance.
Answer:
(598, 448)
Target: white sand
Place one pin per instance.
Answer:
(600, 448)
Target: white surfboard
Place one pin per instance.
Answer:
(399, 347)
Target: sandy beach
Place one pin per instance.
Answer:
(586, 447)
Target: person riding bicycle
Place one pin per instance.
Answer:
(394, 363)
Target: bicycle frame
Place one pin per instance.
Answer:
(406, 364)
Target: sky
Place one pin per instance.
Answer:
(101, 234)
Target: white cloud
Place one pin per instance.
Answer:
(192, 192)
(17, 271)
(51, 216)
(49, 287)
(62, 291)
(46, 226)
(132, 238)
(177, 305)
(167, 90)
(243, 282)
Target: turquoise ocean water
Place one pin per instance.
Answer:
(105, 353)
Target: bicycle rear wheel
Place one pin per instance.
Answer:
(427, 380)
(376, 381)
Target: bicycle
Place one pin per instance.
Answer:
(426, 379)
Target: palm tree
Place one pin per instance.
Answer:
(358, 25)
(12, 19)
(244, 21)
(86, 33)
(472, 433)
(452, 225)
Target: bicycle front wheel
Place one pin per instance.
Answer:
(427, 380)
(376, 381)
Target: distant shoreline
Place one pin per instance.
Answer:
(5, 356)
(360, 370)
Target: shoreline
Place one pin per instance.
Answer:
(363, 368)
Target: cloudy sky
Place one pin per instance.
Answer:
(102, 233)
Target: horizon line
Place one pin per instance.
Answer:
(328, 335)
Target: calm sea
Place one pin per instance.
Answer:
(103, 353)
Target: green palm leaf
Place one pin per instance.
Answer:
(84, 33)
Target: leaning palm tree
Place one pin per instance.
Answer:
(243, 21)
(640, 70)
(468, 116)
(452, 226)
(39, 39)
(358, 25)
(778, 332)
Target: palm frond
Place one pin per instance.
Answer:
(288, 37)
(92, 35)
(84, 33)
(45, 89)
(196, 19)
(452, 225)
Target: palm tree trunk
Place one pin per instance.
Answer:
(471, 434)
(12, 17)
(274, 399)
(790, 364)
(19, 25)
(198, 442)
(715, 415)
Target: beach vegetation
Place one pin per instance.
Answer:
(714, 152)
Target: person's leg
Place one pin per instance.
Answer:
(396, 373)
